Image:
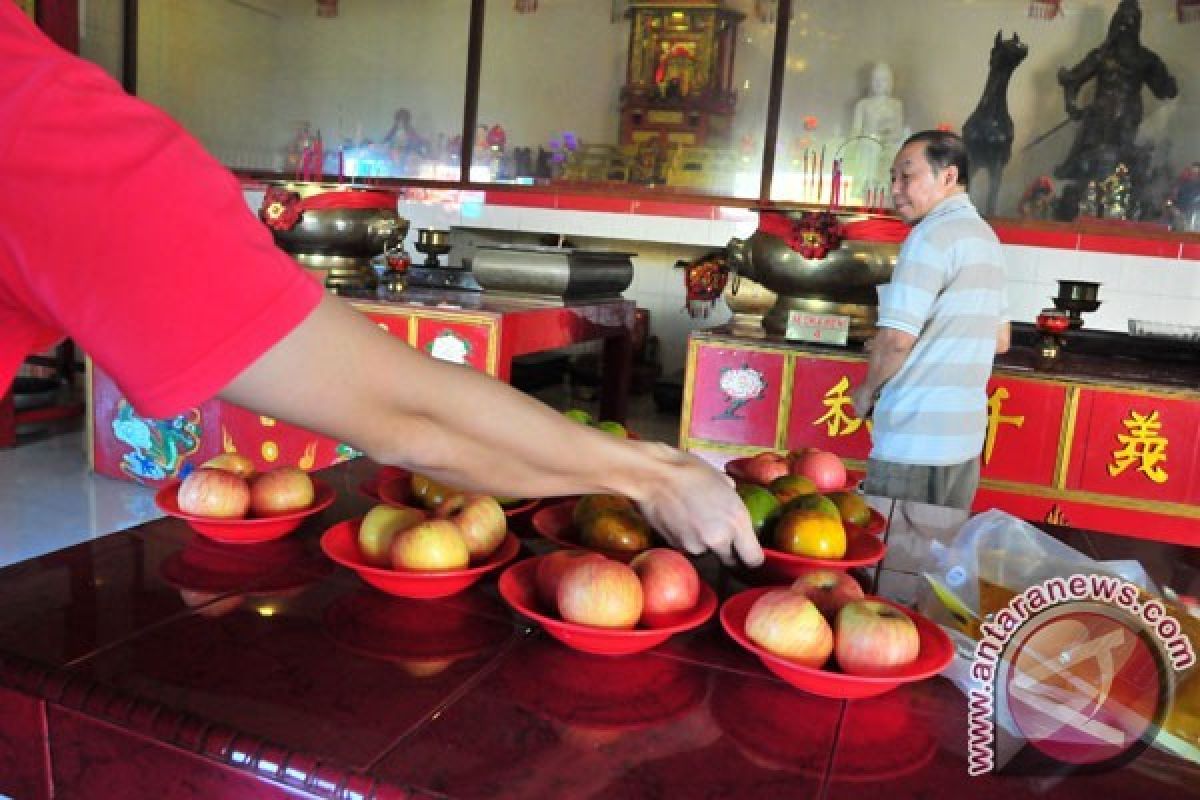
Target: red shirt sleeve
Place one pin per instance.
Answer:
(118, 230)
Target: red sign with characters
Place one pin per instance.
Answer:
(736, 396)
(1024, 422)
(1136, 446)
(822, 414)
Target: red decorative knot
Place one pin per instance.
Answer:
(280, 209)
(813, 235)
(704, 279)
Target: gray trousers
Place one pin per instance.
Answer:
(952, 485)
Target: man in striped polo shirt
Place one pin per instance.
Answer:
(942, 319)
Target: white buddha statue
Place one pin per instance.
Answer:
(880, 117)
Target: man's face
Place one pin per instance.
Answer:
(916, 190)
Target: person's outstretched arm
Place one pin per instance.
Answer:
(340, 374)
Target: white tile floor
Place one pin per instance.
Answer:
(49, 499)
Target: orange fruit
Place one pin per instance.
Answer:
(806, 532)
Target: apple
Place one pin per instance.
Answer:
(433, 544)
(829, 589)
(379, 528)
(549, 574)
(874, 638)
(280, 491)
(823, 468)
(236, 463)
(669, 581)
(787, 624)
(482, 525)
(765, 467)
(216, 493)
(600, 592)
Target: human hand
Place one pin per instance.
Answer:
(864, 401)
(696, 509)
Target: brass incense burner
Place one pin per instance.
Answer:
(840, 281)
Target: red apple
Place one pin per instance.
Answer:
(482, 525)
(786, 623)
(549, 574)
(214, 493)
(281, 490)
(600, 592)
(765, 467)
(236, 463)
(829, 589)
(669, 581)
(874, 638)
(434, 544)
(823, 468)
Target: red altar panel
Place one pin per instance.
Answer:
(1135, 445)
(1024, 422)
(736, 395)
(271, 443)
(129, 446)
(459, 341)
(398, 325)
(821, 413)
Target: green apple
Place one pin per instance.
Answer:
(579, 415)
(615, 428)
(379, 527)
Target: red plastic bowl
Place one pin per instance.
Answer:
(249, 530)
(370, 487)
(340, 543)
(555, 522)
(862, 550)
(518, 590)
(935, 654)
(875, 526)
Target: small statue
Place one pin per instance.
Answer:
(1118, 68)
(1089, 204)
(879, 121)
(1038, 200)
(1117, 194)
(988, 132)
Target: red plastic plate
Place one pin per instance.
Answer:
(935, 654)
(862, 550)
(518, 590)
(340, 543)
(250, 530)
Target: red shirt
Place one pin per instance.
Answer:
(118, 230)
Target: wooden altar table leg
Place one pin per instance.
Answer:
(616, 376)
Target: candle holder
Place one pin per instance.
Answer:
(1052, 324)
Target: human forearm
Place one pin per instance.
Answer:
(887, 354)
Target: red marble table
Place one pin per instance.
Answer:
(152, 663)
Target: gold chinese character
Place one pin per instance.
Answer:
(837, 420)
(995, 419)
(1143, 445)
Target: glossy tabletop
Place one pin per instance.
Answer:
(155, 663)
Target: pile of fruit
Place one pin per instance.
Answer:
(824, 613)
(798, 503)
(227, 487)
(592, 589)
(607, 425)
(441, 498)
(611, 522)
(454, 537)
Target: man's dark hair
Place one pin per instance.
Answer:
(943, 149)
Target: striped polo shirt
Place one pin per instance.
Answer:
(947, 289)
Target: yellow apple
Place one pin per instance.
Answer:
(482, 525)
(236, 463)
(281, 490)
(379, 527)
(434, 544)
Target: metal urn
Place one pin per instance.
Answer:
(814, 262)
(334, 229)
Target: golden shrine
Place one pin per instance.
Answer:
(678, 91)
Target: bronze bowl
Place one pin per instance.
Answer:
(843, 282)
(346, 232)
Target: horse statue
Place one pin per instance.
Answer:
(988, 132)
